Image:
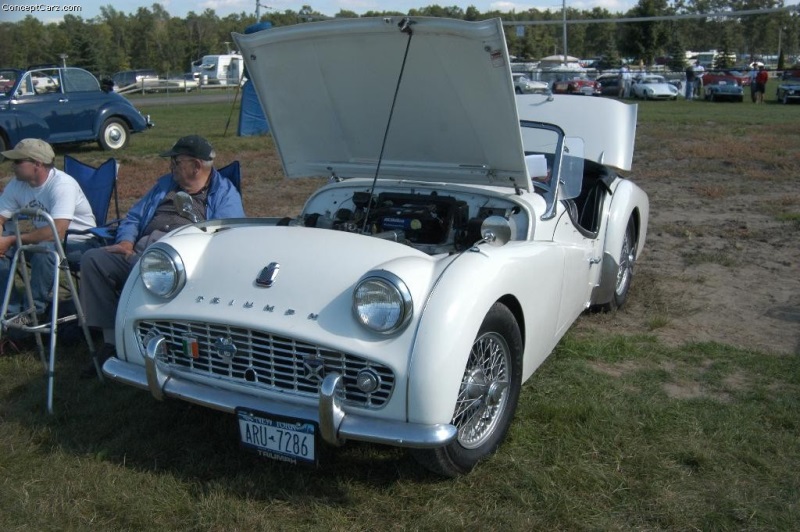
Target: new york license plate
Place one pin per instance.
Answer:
(280, 438)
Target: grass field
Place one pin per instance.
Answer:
(601, 439)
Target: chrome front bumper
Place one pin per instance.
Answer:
(335, 425)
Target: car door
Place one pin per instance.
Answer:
(39, 93)
(83, 96)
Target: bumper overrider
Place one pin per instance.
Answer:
(335, 425)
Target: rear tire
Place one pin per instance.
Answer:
(3, 147)
(487, 398)
(114, 134)
(626, 260)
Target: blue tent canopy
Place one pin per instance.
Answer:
(252, 120)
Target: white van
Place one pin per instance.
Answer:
(225, 69)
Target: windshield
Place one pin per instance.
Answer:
(549, 154)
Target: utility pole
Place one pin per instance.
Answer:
(259, 5)
(564, 20)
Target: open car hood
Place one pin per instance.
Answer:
(327, 89)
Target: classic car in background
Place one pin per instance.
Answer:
(464, 230)
(577, 85)
(712, 77)
(653, 87)
(133, 79)
(147, 81)
(789, 87)
(723, 89)
(64, 105)
(524, 85)
(609, 84)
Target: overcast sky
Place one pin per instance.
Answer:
(91, 8)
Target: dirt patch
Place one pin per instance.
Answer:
(722, 260)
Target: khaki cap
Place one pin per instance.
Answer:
(34, 149)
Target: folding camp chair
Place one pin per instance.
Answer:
(27, 320)
(99, 185)
(233, 172)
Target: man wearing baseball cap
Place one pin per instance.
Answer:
(105, 270)
(39, 185)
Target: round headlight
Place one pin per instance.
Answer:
(162, 271)
(382, 303)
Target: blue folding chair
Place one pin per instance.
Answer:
(99, 185)
(233, 172)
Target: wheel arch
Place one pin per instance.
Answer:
(108, 114)
(513, 304)
(628, 202)
(450, 321)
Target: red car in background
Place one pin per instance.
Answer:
(584, 86)
(712, 77)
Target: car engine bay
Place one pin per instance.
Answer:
(431, 222)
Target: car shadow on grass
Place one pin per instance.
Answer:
(111, 424)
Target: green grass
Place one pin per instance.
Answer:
(612, 432)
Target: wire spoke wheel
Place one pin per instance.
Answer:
(487, 396)
(484, 390)
(626, 261)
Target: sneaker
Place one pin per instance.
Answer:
(105, 352)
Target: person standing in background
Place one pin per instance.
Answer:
(752, 76)
(689, 93)
(761, 83)
(699, 70)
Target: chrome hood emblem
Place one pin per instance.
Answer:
(225, 348)
(267, 276)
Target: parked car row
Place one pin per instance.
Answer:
(64, 105)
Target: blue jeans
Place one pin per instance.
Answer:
(689, 89)
(42, 270)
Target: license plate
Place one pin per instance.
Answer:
(280, 438)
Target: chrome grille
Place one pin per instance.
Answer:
(263, 360)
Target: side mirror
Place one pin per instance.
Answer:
(183, 204)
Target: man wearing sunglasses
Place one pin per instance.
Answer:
(37, 184)
(105, 270)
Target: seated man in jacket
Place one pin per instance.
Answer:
(39, 185)
(105, 270)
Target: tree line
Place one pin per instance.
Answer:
(152, 38)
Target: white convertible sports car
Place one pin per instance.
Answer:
(652, 87)
(463, 231)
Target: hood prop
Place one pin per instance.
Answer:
(405, 27)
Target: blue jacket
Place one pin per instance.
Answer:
(224, 201)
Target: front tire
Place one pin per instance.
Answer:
(114, 134)
(487, 398)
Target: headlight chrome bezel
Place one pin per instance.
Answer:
(173, 258)
(402, 298)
